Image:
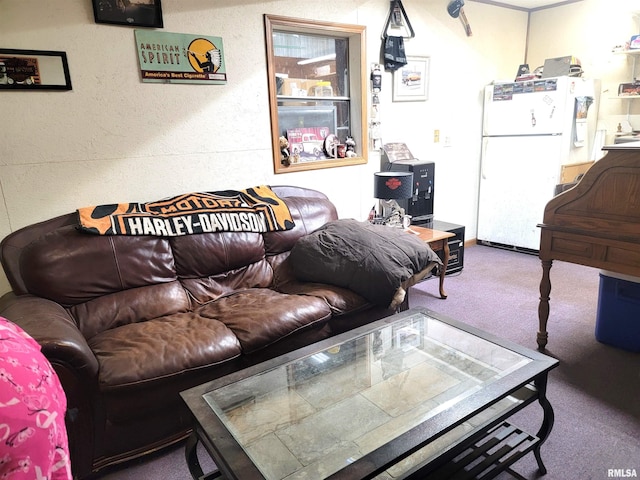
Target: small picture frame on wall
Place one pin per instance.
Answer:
(136, 13)
(34, 70)
(411, 81)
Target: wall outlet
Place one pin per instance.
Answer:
(436, 136)
(448, 142)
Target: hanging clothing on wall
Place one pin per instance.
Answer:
(393, 54)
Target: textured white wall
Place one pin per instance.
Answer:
(115, 139)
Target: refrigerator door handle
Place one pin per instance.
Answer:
(483, 160)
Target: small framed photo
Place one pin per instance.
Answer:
(411, 82)
(34, 70)
(136, 13)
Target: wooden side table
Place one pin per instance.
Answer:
(438, 241)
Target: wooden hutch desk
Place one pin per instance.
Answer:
(596, 223)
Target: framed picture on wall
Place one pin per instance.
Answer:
(137, 13)
(411, 82)
(34, 70)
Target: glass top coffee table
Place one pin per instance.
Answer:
(410, 395)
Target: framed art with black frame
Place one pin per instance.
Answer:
(34, 70)
(137, 13)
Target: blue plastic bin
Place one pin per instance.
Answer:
(618, 317)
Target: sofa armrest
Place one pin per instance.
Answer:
(56, 332)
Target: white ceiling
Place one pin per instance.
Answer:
(527, 4)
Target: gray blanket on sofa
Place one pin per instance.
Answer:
(374, 261)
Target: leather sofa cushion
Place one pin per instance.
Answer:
(307, 215)
(242, 322)
(208, 254)
(260, 316)
(130, 306)
(214, 264)
(340, 300)
(71, 267)
(204, 290)
(165, 346)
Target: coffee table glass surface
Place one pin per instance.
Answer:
(373, 400)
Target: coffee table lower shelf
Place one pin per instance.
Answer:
(479, 459)
(487, 457)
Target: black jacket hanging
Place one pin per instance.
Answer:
(393, 53)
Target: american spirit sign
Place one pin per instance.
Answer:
(180, 58)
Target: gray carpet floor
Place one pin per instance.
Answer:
(595, 391)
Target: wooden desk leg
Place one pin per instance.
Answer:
(543, 306)
(443, 270)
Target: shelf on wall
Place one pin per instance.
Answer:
(627, 52)
(312, 98)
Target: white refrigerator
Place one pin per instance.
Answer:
(530, 129)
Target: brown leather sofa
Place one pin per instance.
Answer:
(128, 322)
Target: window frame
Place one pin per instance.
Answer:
(356, 37)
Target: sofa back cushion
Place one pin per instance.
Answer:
(308, 215)
(213, 264)
(71, 267)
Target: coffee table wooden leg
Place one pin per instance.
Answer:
(443, 270)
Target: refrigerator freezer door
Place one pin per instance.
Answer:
(508, 111)
(518, 178)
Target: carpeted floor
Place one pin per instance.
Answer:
(595, 391)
